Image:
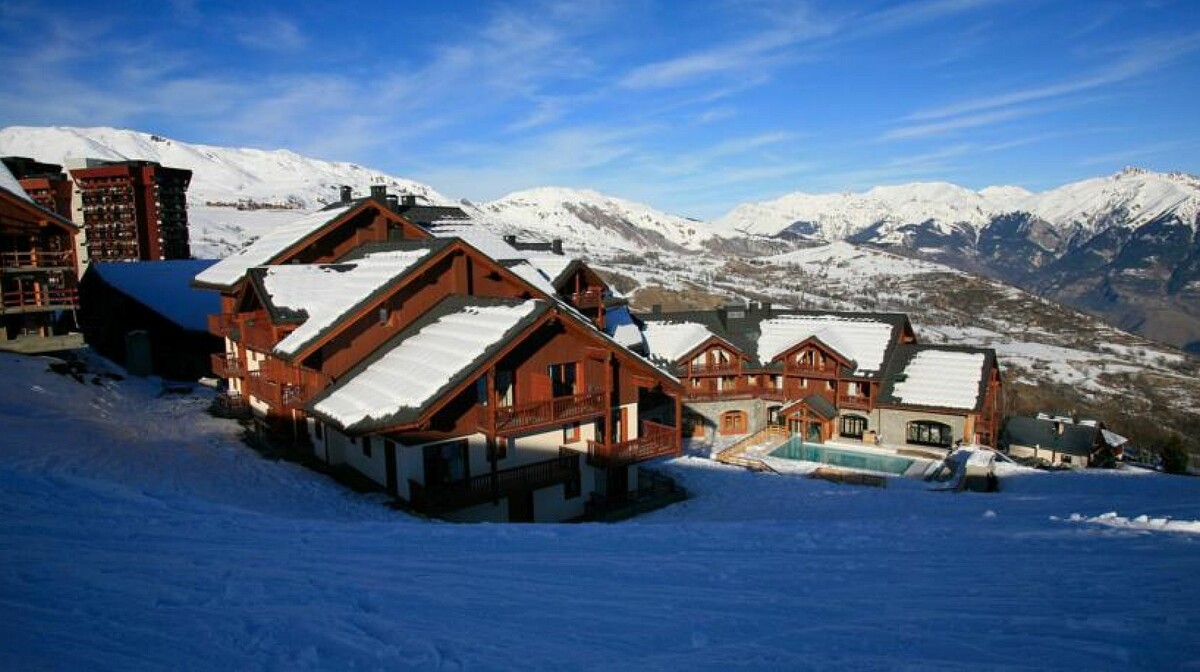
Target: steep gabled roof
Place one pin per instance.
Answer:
(11, 191)
(867, 339)
(418, 366)
(938, 376)
(669, 341)
(276, 244)
(322, 296)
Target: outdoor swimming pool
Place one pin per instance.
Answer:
(796, 449)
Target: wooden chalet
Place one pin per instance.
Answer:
(39, 294)
(383, 336)
(825, 376)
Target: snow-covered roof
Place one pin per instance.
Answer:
(862, 340)
(1113, 439)
(941, 378)
(478, 237)
(228, 271)
(672, 340)
(164, 287)
(533, 275)
(619, 324)
(415, 368)
(9, 181)
(553, 266)
(326, 292)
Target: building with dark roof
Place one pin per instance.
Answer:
(148, 318)
(132, 210)
(1060, 440)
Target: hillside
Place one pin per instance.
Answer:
(141, 534)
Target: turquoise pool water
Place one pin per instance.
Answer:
(796, 449)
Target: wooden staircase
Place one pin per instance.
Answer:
(734, 455)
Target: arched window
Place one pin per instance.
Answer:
(929, 433)
(733, 422)
(853, 426)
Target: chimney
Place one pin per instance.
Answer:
(393, 201)
(379, 192)
(511, 240)
(656, 309)
(408, 200)
(347, 193)
(556, 246)
(721, 315)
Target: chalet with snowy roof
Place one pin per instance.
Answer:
(439, 361)
(147, 317)
(39, 295)
(1061, 440)
(824, 375)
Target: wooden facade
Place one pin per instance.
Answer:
(556, 413)
(39, 293)
(817, 392)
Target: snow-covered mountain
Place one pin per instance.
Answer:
(587, 220)
(219, 174)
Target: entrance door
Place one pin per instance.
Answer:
(618, 483)
(814, 432)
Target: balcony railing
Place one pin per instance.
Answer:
(854, 401)
(549, 411)
(39, 299)
(798, 368)
(36, 259)
(273, 393)
(226, 366)
(719, 368)
(490, 487)
(590, 298)
(656, 441)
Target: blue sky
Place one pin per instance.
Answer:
(691, 107)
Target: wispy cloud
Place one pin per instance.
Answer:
(270, 33)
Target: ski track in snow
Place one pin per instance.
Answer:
(140, 534)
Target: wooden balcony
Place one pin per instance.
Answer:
(590, 298)
(222, 324)
(225, 366)
(277, 395)
(715, 369)
(810, 369)
(656, 441)
(854, 401)
(549, 411)
(37, 259)
(491, 487)
(33, 300)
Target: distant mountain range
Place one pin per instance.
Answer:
(1124, 246)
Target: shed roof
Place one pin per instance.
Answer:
(164, 287)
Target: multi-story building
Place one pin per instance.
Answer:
(38, 292)
(131, 210)
(825, 375)
(46, 183)
(470, 381)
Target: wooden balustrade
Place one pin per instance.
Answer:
(549, 411)
(225, 365)
(719, 368)
(37, 259)
(490, 487)
(656, 441)
(591, 298)
(36, 298)
(854, 401)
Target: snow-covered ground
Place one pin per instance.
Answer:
(140, 534)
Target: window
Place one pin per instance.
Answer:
(499, 449)
(853, 426)
(446, 462)
(366, 446)
(929, 433)
(562, 379)
(319, 429)
(572, 488)
(1065, 459)
(733, 422)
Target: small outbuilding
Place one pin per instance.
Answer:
(146, 316)
(1060, 440)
